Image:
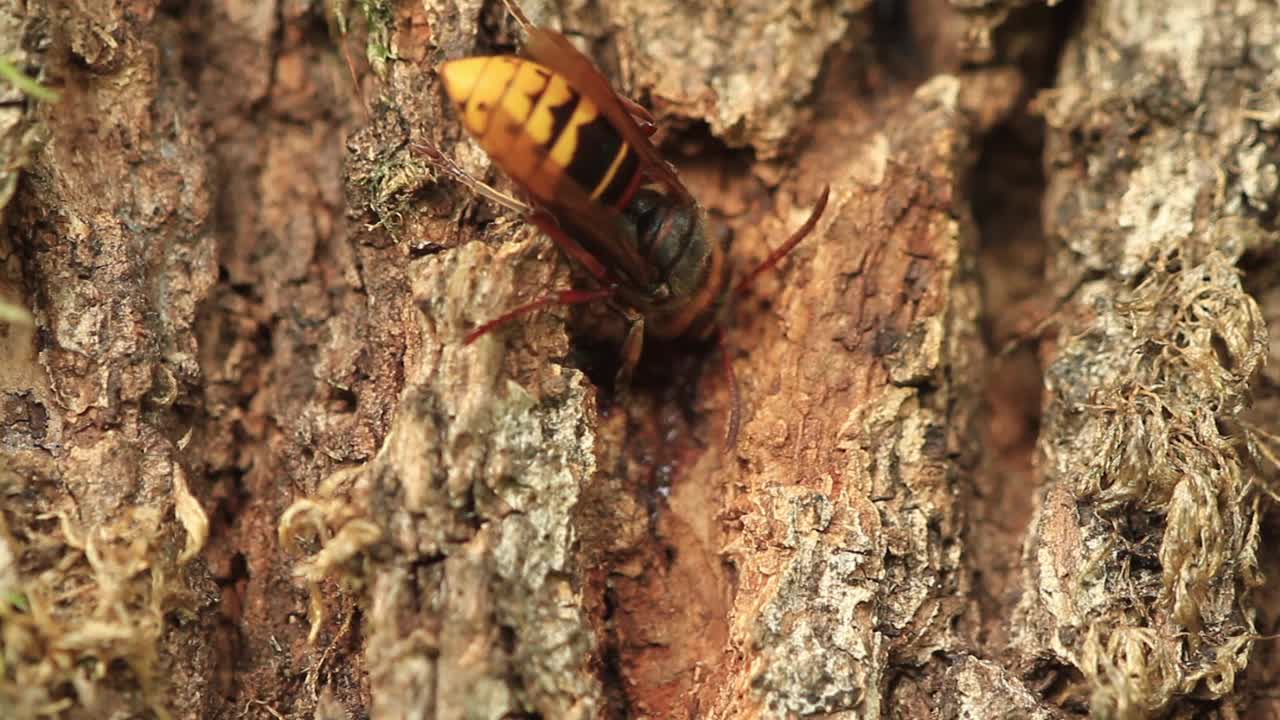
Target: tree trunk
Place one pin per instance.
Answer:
(1007, 435)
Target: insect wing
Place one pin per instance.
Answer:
(599, 229)
(553, 50)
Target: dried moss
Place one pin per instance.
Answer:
(85, 607)
(1144, 555)
(1144, 432)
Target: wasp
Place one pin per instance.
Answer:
(593, 181)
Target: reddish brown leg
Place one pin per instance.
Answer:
(638, 113)
(446, 165)
(540, 218)
(631, 349)
(786, 247)
(733, 424)
(561, 297)
(547, 224)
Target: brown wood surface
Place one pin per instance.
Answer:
(1009, 435)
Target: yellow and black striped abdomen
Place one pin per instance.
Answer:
(539, 130)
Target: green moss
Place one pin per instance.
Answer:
(15, 601)
(29, 86)
(15, 314)
(380, 19)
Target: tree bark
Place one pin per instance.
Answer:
(1008, 435)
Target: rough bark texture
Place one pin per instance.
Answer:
(1008, 438)
(1162, 175)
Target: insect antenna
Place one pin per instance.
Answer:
(776, 256)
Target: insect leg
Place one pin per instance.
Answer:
(631, 348)
(560, 297)
(734, 421)
(638, 113)
(547, 224)
(786, 247)
(450, 168)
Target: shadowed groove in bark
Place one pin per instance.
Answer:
(1008, 188)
